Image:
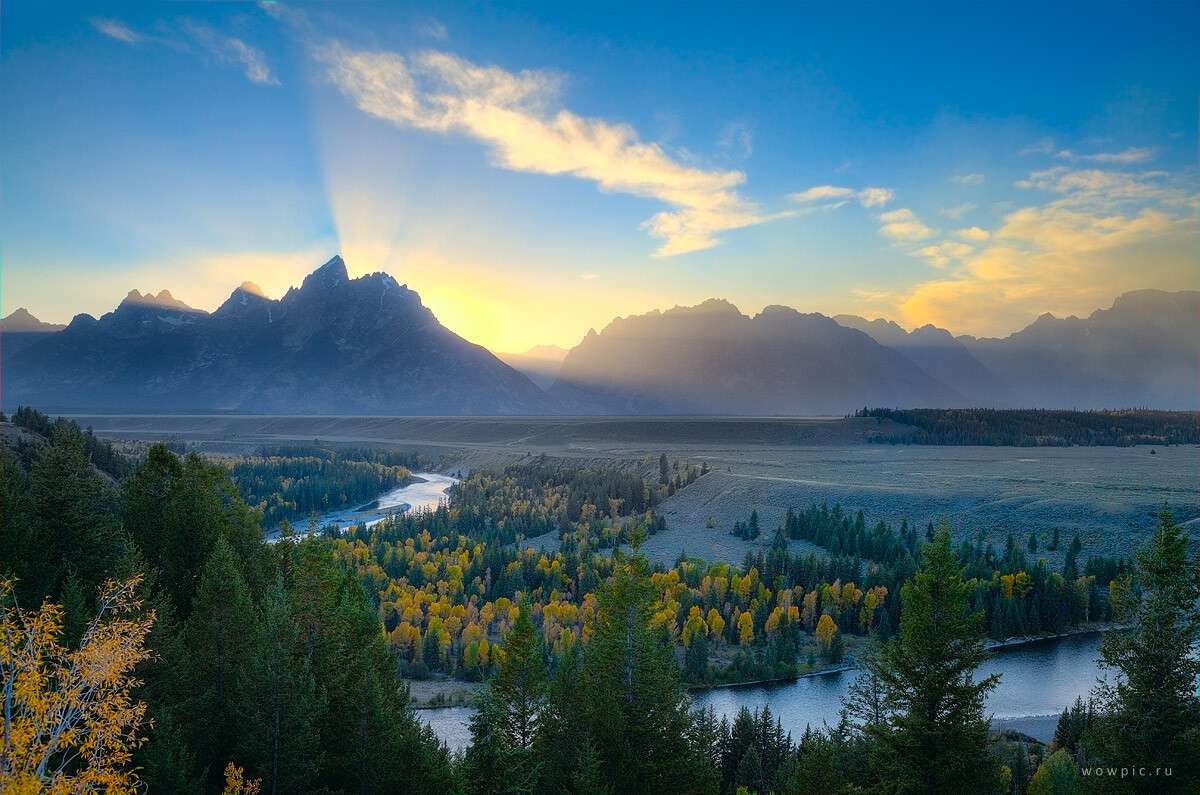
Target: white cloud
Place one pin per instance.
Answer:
(867, 197)
(902, 225)
(974, 233)
(819, 193)
(875, 197)
(942, 254)
(959, 211)
(1131, 155)
(968, 179)
(516, 115)
(232, 50)
(116, 30)
(1097, 188)
(195, 38)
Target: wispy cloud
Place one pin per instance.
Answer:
(227, 49)
(867, 197)
(1126, 156)
(958, 211)
(433, 29)
(115, 29)
(198, 39)
(518, 115)
(737, 140)
(973, 178)
(903, 226)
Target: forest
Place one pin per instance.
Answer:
(1039, 427)
(151, 640)
(291, 483)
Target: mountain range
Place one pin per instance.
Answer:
(336, 345)
(333, 345)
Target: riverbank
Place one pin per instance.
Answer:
(1097, 628)
(702, 688)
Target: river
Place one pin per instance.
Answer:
(1037, 680)
(425, 493)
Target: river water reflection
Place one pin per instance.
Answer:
(1037, 681)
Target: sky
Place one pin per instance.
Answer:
(534, 170)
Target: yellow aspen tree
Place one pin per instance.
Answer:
(716, 627)
(69, 718)
(745, 628)
(826, 629)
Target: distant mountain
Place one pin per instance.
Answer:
(21, 329)
(712, 359)
(21, 322)
(1143, 351)
(334, 345)
(540, 363)
(938, 353)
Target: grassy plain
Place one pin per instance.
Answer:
(1109, 495)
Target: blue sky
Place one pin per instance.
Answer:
(534, 171)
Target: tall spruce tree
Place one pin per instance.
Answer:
(1150, 712)
(220, 637)
(280, 702)
(638, 708)
(935, 736)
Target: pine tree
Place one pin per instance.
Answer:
(935, 738)
(1151, 712)
(280, 702)
(220, 639)
(638, 709)
(519, 687)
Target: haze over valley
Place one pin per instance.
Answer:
(336, 345)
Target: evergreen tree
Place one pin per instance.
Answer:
(281, 702)
(1151, 712)
(519, 687)
(220, 640)
(638, 709)
(935, 737)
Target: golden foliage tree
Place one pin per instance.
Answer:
(70, 721)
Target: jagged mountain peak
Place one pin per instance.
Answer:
(163, 300)
(331, 274)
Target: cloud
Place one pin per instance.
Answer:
(198, 39)
(1045, 146)
(875, 197)
(867, 197)
(959, 211)
(1131, 155)
(517, 115)
(1100, 189)
(433, 29)
(820, 193)
(232, 50)
(116, 30)
(942, 254)
(1100, 234)
(737, 140)
(968, 179)
(902, 225)
(974, 233)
